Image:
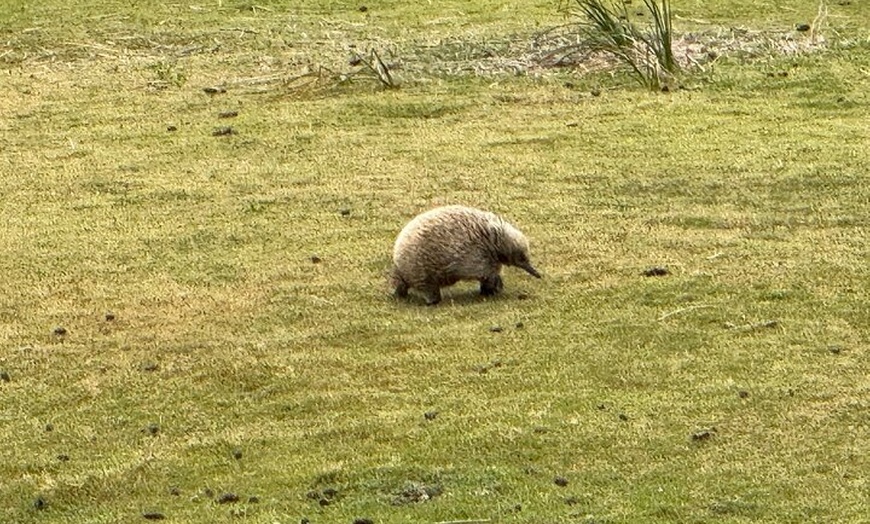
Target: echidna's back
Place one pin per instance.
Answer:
(442, 242)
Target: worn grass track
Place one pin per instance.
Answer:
(226, 328)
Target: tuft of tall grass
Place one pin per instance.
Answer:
(647, 52)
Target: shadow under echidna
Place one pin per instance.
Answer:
(447, 244)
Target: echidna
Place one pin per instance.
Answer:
(447, 244)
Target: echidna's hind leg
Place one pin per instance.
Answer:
(432, 295)
(491, 285)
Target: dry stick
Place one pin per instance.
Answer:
(820, 19)
(758, 325)
(685, 309)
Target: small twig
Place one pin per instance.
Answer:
(820, 19)
(377, 67)
(684, 310)
(752, 327)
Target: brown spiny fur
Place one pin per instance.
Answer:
(447, 244)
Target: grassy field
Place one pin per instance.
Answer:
(194, 318)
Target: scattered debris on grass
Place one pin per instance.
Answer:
(227, 498)
(223, 131)
(484, 368)
(704, 434)
(656, 271)
(415, 492)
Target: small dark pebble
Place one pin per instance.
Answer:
(227, 498)
(345, 211)
(560, 481)
(59, 331)
(171, 128)
(656, 271)
(175, 491)
(153, 515)
(304, 521)
(324, 502)
(110, 317)
(601, 407)
(623, 417)
(40, 503)
(666, 89)
(253, 499)
(363, 8)
(214, 90)
(430, 415)
(522, 296)
(363, 521)
(595, 92)
(704, 434)
(743, 393)
(803, 28)
(316, 259)
(495, 329)
(223, 131)
(4, 376)
(237, 454)
(63, 457)
(149, 366)
(519, 325)
(228, 114)
(153, 429)
(330, 493)
(49, 427)
(833, 349)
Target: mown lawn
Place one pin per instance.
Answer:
(199, 204)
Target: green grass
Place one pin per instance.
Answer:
(234, 363)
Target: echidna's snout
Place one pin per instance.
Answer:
(530, 269)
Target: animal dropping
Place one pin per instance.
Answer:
(447, 244)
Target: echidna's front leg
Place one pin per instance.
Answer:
(491, 285)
